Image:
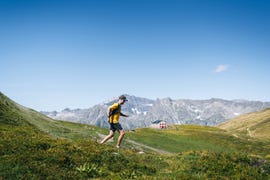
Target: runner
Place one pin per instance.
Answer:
(114, 113)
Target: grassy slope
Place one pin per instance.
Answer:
(253, 125)
(15, 114)
(183, 138)
(33, 146)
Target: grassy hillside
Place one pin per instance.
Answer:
(253, 125)
(33, 146)
(182, 138)
(14, 114)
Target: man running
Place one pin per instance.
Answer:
(114, 113)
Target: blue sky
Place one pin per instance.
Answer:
(56, 54)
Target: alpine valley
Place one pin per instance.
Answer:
(34, 146)
(143, 111)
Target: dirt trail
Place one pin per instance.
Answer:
(249, 132)
(148, 147)
(139, 145)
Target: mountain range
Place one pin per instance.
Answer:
(143, 111)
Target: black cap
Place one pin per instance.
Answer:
(123, 97)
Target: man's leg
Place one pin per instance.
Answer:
(121, 136)
(107, 137)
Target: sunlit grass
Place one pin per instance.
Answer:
(33, 146)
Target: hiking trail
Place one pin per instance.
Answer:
(139, 145)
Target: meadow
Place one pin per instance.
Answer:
(33, 146)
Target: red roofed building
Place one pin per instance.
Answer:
(159, 124)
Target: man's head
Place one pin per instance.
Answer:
(122, 99)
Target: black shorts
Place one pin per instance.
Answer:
(115, 127)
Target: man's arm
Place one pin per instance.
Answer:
(121, 114)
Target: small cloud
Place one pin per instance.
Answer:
(221, 68)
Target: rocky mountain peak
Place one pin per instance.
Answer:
(142, 111)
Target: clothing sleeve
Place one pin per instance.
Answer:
(114, 106)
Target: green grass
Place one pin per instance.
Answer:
(33, 146)
(27, 153)
(14, 114)
(177, 139)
